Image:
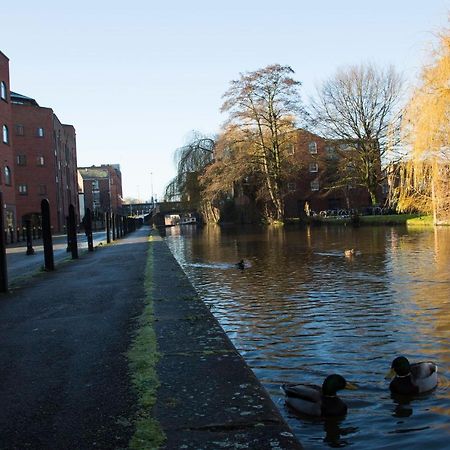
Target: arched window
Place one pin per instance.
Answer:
(5, 134)
(3, 91)
(7, 176)
(312, 147)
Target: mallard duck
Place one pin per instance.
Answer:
(240, 264)
(318, 401)
(412, 378)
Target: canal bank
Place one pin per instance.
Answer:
(208, 397)
(64, 372)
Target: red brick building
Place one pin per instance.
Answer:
(102, 186)
(318, 158)
(45, 162)
(6, 147)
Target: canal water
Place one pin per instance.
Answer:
(301, 310)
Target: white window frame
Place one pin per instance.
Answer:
(314, 185)
(5, 134)
(313, 167)
(40, 132)
(23, 189)
(312, 147)
(3, 91)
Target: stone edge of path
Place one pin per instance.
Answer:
(208, 396)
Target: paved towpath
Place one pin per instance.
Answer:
(63, 372)
(64, 381)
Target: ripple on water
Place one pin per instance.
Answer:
(303, 311)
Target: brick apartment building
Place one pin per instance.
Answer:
(102, 187)
(45, 162)
(38, 158)
(7, 186)
(318, 158)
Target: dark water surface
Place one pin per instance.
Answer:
(302, 310)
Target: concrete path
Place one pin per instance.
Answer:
(64, 380)
(21, 265)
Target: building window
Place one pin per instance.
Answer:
(3, 94)
(40, 132)
(7, 176)
(95, 186)
(312, 147)
(5, 134)
(330, 151)
(42, 189)
(313, 167)
(20, 130)
(291, 149)
(292, 187)
(23, 189)
(314, 185)
(40, 160)
(21, 160)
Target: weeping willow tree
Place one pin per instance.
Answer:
(424, 178)
(192, 160)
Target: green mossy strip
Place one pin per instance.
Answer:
(143, 357)
(390, 219)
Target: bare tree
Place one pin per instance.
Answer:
(262, 107)
(359, 106)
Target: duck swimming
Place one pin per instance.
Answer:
(412, 378)
(318, 401)
(349, 253)
(240, 264)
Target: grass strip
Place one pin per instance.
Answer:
(143, 357)
(426, 221)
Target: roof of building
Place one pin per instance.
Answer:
(20, 99)
(93, 172)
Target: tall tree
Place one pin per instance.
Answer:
(359, 106)
(262, 107)
(425, 175)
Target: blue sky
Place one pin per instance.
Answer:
(135, 78)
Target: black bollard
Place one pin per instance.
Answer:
(108, 227)
(11, 233)
(73, 232)
(113, 224)
(3, 267)
(30, 249)
(47, 235)
(18, 234)
(88, 229)
(68, 235)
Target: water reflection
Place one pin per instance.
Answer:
(303, 310)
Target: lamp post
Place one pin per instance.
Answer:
(151, 186)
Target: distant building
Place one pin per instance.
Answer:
(45, 162)
(7, 186)
(102, 187)
(318, 184)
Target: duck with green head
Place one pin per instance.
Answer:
(318, 401)
(412, 378)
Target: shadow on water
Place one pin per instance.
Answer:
(303, 310)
